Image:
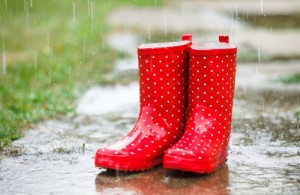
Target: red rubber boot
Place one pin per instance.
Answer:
(203, 146)
(163, 100)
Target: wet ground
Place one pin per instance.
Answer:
(57, 156)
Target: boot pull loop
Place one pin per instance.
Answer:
(224, 39)
(186, 37)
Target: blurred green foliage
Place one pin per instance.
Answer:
(50, 52)
(291, 79)
(274, 21)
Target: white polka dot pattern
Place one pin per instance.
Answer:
(211, 91)
(163, 101)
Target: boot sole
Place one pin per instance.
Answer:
(191, 165)
(126, 164)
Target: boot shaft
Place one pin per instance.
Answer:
(203, 145)
(163, 77)
(212, 69)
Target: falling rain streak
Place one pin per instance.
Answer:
(166, 30)
(232, 24)
(258, 52)
(84, 44)
(149, 32)
(35, 64)
(5, 3)
(74, 13)
(261, 7)
(3, 63)
(91, 13)
(49, 45)
(183, 10)
(50, 76)
(183, 15)
(70, 73)
(26, 7)
(236, 12)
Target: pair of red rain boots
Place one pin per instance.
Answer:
(186, 97)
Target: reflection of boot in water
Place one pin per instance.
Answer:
(203, 146)
(191, 183)
(160, 181)
(163, 82)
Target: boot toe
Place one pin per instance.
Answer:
(180, 159)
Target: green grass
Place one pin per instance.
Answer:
(291, 79)
(50, 52)
(297, 114)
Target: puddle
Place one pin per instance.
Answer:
(56, 156)
(100, 100)
(127, 44)
(123, 42)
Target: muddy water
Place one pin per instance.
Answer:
(56, 156)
